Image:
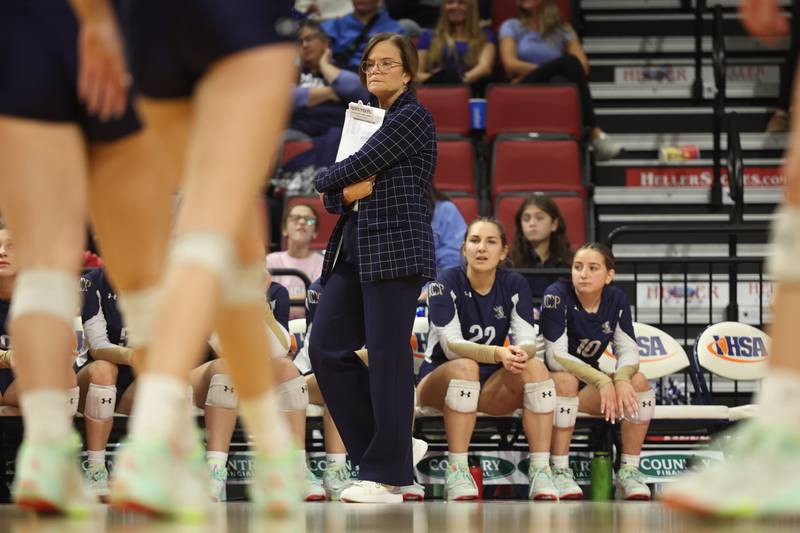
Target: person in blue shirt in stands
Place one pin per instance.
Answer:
(349, 34)
(579, 320)
(448, 231)
(467, 368)
(457, 50)
(539, 47)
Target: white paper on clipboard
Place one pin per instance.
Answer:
(360, 122)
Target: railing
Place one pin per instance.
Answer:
(720, 66)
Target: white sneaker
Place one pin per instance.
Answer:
(459, 484)
(362, 491)
(604, 148)
(97, 480)
(335, 479)
(630, 485)
(219, 483)
(315, 492)
(542, 486)
(413, 493)
(418, 450)
(564, 480)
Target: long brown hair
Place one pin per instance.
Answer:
(500, 229)
(443, 43)
(522, 251)
(602, 249)
(548, 20)
(408, 54)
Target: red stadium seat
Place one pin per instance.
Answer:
(571, 205)
(548, 109)
(455, 166)
(503, 10)
(467, 205)
(326, 220)
(293, 148)
(522, 164)
(449, 106)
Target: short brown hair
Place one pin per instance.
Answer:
(288, 211)
(408, 54)
(602, 249)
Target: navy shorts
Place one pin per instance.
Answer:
(172, 43)
(39, 69)
(485, 371)
(6, 378)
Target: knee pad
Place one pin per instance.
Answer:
(293, 394)
(46, 291)
(540, 397)
(139, 312)
(73, 398)
(221, 392)
(566, 412)
(212, 251)
(647, 406)
(100, 402)
(462, 396)
(246, 285)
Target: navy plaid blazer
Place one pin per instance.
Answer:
(394, 223)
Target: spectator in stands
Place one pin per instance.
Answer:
(457, 50)
(324, 9)
(323, 90)
(539, 47)
(448, 231)
(8, 275)
(349, 34)
(472, 310)
(300, 226)
(579, 320)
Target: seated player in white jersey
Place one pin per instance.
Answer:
(337, 475)
(214, 391)
(467, 368)
(579, 319)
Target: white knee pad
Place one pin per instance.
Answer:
(100, 402)
(212, 251)
(566, 412)
(293, 395)
(647, 406)
(139, 312)
(221, 392)
(540, 397)
(46, 291)
(462, 395)
(246, 285)
(73, 398)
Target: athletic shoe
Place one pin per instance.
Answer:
(315, 492)
(149, 477)
(97, 479)
(413, 493)
(335, 479)
(542, 486)
(564, 480)
(49, 479)
(362, 491)
(459, 484)
(761, 466)
(418, 450)
(219, 482)
(277, 485)
(630, 484)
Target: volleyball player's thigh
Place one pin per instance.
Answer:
(589, 400)
(200, 379)
(126, 400)
(169, 122)
(314, 394)
(251, 238)
(432, 389)
(501, 393)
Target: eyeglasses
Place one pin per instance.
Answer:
(300, 219)
(307, 39)
(384, 65)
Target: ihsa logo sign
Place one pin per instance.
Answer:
(738, 348)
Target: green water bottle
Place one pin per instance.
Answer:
(601, 477)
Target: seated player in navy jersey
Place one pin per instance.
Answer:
(579, 320)
(467, 368)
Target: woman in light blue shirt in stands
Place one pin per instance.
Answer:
(539, 47)
(448, 231)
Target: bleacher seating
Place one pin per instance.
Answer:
(455, 166)
(547, 110)
(293, 148)
(522, 164)
(467, 205)
(449, 106)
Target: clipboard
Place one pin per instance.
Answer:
(360, 122)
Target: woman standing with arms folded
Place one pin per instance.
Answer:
(380, 253)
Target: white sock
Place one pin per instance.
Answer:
(217, 459)
(629, 460)
(266, 423)
(458, 458)
(539, 458)
(46, 415)
(559, 461)
(335, 458)
(160, 408)
(779, 399)
(97, 457)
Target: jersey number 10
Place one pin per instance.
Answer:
(588, 348)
